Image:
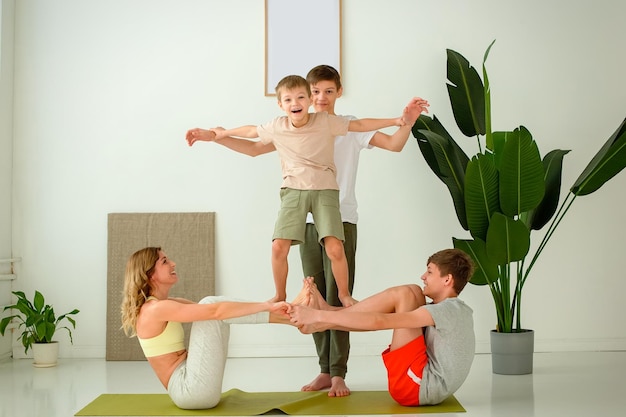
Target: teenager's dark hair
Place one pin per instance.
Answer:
(324, 73)
(455, 262)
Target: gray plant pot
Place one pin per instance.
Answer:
(512, 353)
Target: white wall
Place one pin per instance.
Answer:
(6, 157)
(105, 90)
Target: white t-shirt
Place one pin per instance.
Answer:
(347, 152)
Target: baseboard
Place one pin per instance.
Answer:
(567, 345)
(580, 345)
(541, 345)
(65, 352)
(270, 351)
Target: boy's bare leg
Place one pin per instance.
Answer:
(339, 264)
(395, 299)
(280, 268)
(402, 298)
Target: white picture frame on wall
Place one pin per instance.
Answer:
(299, 35)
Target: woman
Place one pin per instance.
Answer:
(192, 376)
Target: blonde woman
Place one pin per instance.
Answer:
(192, 376)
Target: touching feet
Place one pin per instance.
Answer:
(317, 301)
(304, 296)
(310, 296)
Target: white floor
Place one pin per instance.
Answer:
(563, 384)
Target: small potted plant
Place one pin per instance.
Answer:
(39, 325)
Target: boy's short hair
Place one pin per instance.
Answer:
(456, 263)
(324, 73)
(290, 82)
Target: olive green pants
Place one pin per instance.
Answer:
(333, 346)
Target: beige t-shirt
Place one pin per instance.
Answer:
(307, 153)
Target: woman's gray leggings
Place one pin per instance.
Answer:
(197, 382)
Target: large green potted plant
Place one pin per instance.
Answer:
(503, 193)
(39, 324)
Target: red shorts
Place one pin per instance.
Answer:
(404, 371)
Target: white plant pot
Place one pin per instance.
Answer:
(45, 354)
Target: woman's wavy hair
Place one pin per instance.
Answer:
(139, 268)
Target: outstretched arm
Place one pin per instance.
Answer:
(199, 135)
(396, 142)
(310, 320)
(367, 125)
(171, 310)
(182, 300)
(410, 114)
(244, 146)
(248, 131)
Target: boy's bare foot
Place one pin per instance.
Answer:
(338, 387)
(317, 300)
(313, 328)
(347, 300)
(322, 381)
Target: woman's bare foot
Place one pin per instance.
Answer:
(322, 381)
(338, 387)
(304, 296)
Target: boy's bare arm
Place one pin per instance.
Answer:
(396, 142)
(246, 146)
(197, 134)
(413, 110)
(393, 143)
(310, 320)
(248, 131)
(367, 125)
(410, 114)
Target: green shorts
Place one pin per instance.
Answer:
(294, 206)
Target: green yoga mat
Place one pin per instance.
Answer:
(240, 403)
